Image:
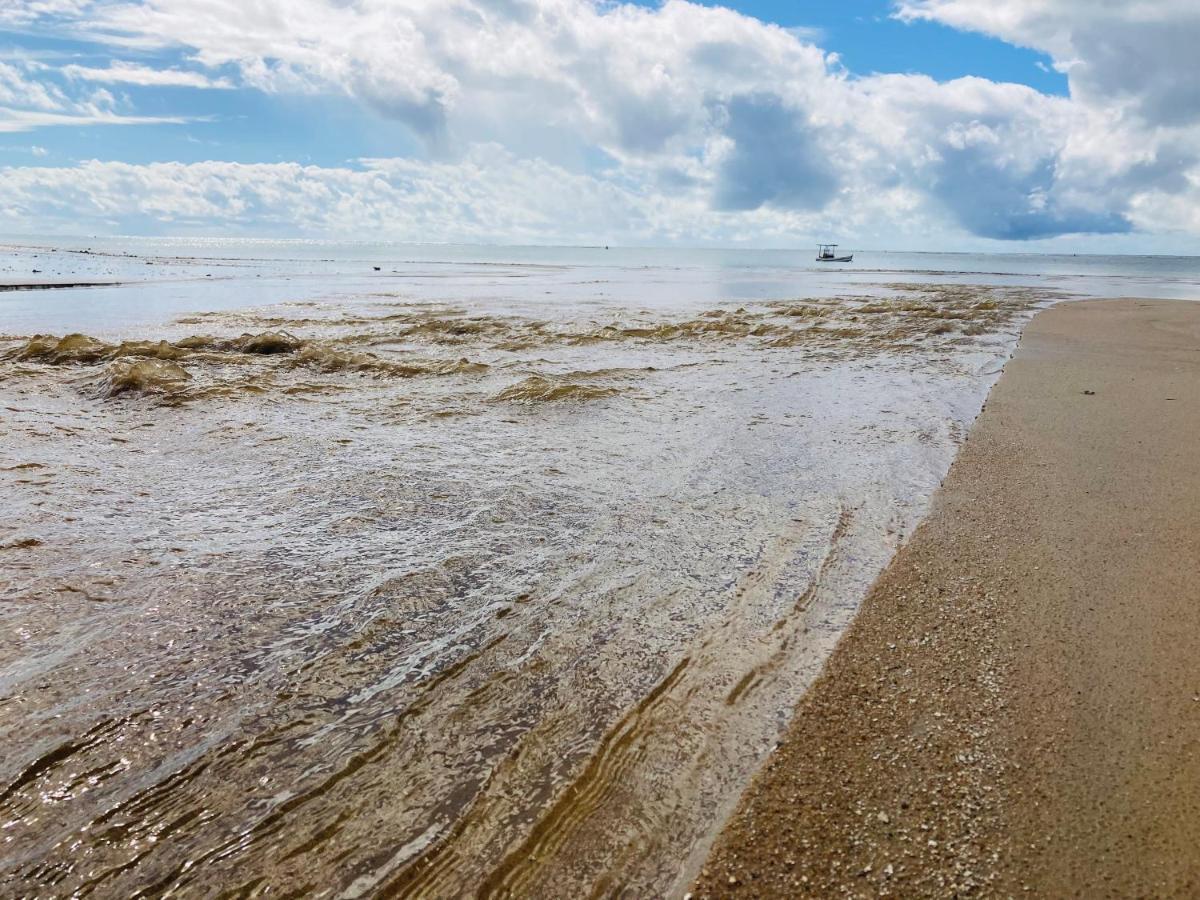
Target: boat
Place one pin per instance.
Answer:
(827, 253)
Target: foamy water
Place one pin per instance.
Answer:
(496, 580)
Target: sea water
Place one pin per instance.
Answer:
(358, 569)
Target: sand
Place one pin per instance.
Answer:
(1016, 710)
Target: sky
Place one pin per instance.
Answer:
(1040, 125)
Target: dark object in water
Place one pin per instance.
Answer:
(43, 286)
(376, 268)
(825, 253)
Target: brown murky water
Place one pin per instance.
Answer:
(400, 598)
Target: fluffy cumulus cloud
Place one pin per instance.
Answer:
(1139, 54)
(1133, 145)
(587, 119)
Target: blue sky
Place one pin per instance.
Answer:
(973, 123)
(870, 39)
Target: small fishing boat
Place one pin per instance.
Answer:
(828, 253)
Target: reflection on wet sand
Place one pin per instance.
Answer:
(404, 598)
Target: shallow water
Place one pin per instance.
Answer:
(379, 594)
(161, 278)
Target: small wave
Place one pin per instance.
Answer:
(327, 359)
(266, 343)
(145, 367)
(805, 311)
(330, 359)
(148, 349)
(82, 349)
(714, 324)
(544, 389)
(461, 366)
(818, 334)
(143, 376)
(440, 330)
(21, 543)
(73, 348)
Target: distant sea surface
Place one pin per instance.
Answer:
(167, 276)
(431, 570)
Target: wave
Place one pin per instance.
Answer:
(553, 389)
(73, 348)
(266, 343)
(202, 368)
(326, 358)
(143, 376)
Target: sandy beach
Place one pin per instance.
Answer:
(1016, 710)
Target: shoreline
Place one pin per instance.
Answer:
(1016, 708)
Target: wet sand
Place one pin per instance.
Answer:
(1016, 710)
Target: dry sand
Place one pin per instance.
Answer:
(1016, 710)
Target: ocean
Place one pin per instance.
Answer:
(433, 570)
(165, 277)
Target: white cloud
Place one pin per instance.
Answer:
(24, 12)
(17, 120)
(1133, 145)
(487, 195)
(145, 76)
(17, 88)
(633, 78)
(1134, 53)
(28, 102)
(680, 120)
